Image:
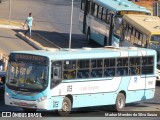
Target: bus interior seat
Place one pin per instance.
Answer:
(100, 73)
(79, 75)
(86, 74)
(108, 72)
(119, 71)
(124, 72)
(93, 74)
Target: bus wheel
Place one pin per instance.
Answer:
(120, 102)
(88, 36)
(29, 110)
(66, 107)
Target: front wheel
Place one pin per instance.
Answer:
(66, 107)
(120, 102)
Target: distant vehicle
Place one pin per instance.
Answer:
(65, 79)
(2, 82)
(142, 31)
(101, 20)
(2, 79)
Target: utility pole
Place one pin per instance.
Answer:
(70, 36)
(9, 11)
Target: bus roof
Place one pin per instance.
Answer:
(87, 53)
(122, 5)
(148, 24)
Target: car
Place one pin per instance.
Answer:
(2, 83)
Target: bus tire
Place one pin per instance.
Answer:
(89, 35)
(66, 107)
(120, 102)
(29, 110)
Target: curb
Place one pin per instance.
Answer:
(10, 26)
(48, 41)
(30, 41)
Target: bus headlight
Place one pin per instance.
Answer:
(42, 99)
(7, 95)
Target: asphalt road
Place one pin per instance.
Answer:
(51, 18)
(9, 42)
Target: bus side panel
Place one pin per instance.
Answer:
(90, 93)
(97, 93)
(55, 102)
(98, 30)
(141, 88)
(96, 99)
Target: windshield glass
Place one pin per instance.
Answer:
(117, 25)
(27, 76)
(155, 38)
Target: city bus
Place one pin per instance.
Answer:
(64, 80)
(100, 20)
(142, 31)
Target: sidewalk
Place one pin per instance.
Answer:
(10, 24)
(37, 40)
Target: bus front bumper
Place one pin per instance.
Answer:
(25, 103)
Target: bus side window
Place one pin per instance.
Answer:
(100, 10)
(56, 73)
(95, 14)
(104, 15)
(145, 41)
(83, 5)
(108, 17)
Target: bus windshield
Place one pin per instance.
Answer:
(155, 38)
(27, 76)
(117, 25)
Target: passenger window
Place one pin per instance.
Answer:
(96, 68)
(100, 12)
(134, 66)
(147, 65)
(69, 69)
(109, 67)
(56, 73)
(83, 67)
(104, 15)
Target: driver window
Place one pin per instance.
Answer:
(56, 73)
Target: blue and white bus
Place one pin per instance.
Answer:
(65, 79)
(101, 20)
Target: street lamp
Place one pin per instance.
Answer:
(70, 36)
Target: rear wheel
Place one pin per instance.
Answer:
(120, 102)
(66, 107)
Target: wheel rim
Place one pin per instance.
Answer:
(65, 106)
(120, 103)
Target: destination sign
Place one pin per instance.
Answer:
(28, 57)
(131, 12)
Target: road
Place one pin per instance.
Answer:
(52, 19)
(9, 42)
